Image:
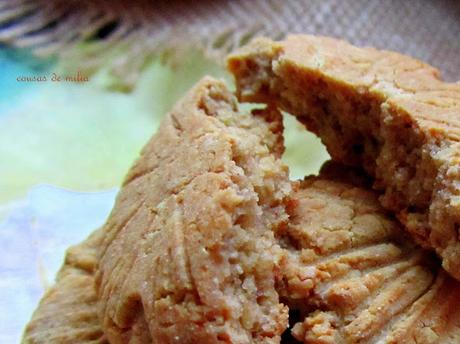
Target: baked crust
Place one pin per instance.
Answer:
(387, 112)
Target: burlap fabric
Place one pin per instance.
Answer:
(429, 30)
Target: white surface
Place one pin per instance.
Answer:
(33, 239)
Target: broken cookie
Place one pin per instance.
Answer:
(188, 255)
(387, 112)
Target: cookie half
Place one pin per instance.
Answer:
(188, 254)
(387, 112)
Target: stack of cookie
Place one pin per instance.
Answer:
(210, 242)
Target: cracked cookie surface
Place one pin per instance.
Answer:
(387, 112)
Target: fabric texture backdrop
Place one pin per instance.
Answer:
(428, 30)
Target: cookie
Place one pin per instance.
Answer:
(387, 112)
(350, 275)
(188, 255)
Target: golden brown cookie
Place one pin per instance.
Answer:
(188, 254)
(351, 276)
(387, 112)
(68, 312)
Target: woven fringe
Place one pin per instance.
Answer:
(124, 35)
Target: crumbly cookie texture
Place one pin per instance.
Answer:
(188, 254)
(68, 312)
(351, 276)
(387, 112)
